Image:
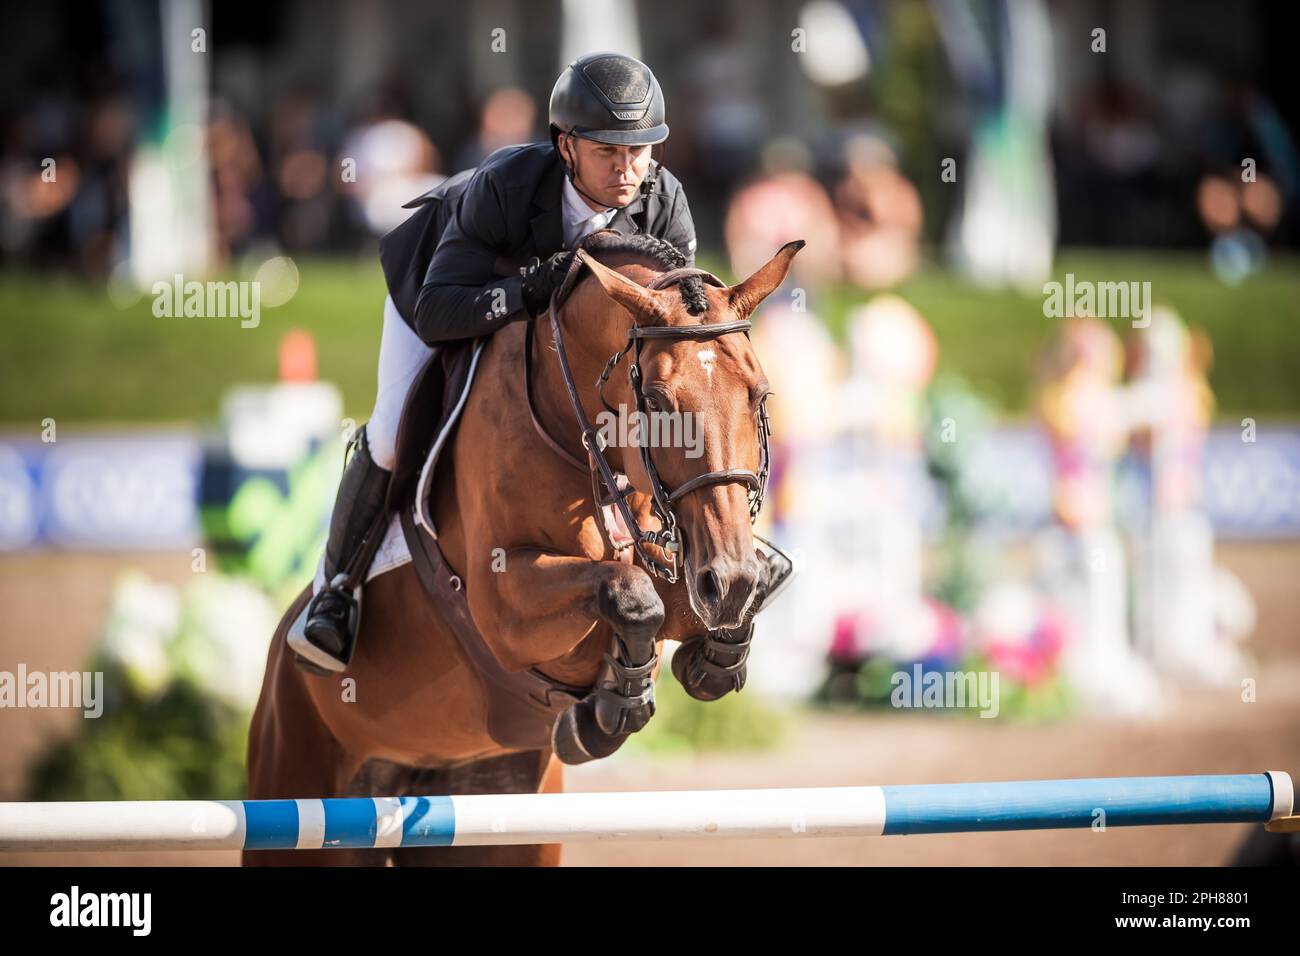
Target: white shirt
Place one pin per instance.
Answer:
(579, 218)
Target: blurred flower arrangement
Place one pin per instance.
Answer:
(974, 618)
(182, 670)
(182, 673)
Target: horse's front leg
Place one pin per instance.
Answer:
(541, 606)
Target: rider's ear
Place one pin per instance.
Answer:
(636, 298)
(746, 296)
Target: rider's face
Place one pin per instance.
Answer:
(612, 174)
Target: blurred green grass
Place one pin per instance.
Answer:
(66, 352)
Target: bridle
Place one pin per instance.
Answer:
(668, 538)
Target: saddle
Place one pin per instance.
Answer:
(428, 406)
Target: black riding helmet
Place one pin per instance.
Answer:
(609, 98)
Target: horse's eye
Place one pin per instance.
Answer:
(652, 403)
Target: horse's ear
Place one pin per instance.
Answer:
(746, 297)
(636, 298)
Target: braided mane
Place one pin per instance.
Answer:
(657, 252)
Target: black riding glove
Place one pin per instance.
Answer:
(540, 279)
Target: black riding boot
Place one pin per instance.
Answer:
(332, 616)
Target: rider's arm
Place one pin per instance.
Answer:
(462, 297)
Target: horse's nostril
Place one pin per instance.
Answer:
(707, 588)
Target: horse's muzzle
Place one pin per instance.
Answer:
(722, 590)
(713, 665)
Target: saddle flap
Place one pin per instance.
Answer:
(430, 404)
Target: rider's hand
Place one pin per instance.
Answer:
(540, 279)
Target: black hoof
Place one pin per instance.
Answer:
(577, 739)
(709, 668)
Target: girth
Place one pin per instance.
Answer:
(522, 706)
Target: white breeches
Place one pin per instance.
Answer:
(401, 356)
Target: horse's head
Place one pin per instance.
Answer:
(701, 399)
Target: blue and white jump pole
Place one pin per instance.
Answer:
(365, 822)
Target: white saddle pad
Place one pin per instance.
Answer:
(392, 554)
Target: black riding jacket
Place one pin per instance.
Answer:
(444, 265)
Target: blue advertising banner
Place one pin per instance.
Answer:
(140, 490)
(132, 491)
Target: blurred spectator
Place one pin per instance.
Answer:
(717, 114)
(299, 153)
(1116, 185)
(785, 204)
(70, 212)
(1147, 147)
(880, 216)
(394, 162)
(508, 117)
(242, 196)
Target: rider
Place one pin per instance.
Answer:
(533, 202)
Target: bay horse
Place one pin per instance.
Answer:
(547, 588)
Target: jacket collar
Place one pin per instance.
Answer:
(624, 220)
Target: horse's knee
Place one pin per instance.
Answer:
(632, 606)
(622, 701)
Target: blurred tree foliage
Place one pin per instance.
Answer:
(182, 744)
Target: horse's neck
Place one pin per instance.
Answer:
(587, 355)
